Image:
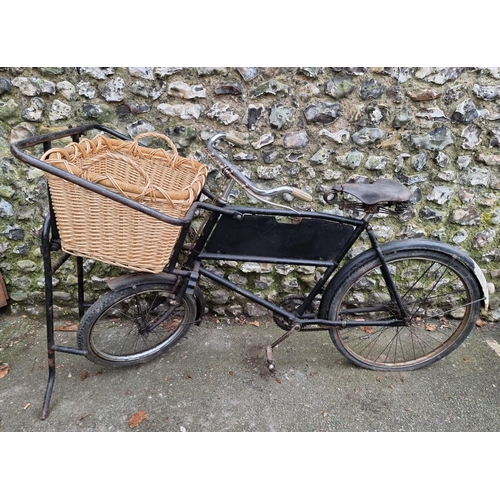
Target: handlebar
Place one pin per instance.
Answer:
(233, 172)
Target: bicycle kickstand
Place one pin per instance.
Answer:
(269, 349)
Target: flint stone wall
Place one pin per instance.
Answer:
(437, 130)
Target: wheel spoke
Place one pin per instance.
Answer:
(445, 270)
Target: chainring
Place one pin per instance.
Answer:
(290, 304)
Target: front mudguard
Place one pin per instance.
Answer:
(394, 247)
(133, 279)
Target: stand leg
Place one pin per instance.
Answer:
(270, 358)
(49, 315)
(269, 349)
(50, 384)
(81, 294)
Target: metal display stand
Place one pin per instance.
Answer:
(51, 243)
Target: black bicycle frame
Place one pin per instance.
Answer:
(220, 235)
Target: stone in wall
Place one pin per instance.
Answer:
(97, 73)
(231, 88)
(34, 112)
(34, 86)
(486, 92)
(371, 89)
(183, 111)
(5, 86)
(60, 111)
(186, 91)
(114, 90)
(222, 113)
(295, 139)
(270, 87)
(280, 116)
(367, 135)
(322, 112)
(436, 140)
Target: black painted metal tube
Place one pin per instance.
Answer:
(49, 311)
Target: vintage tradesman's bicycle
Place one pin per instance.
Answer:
(397, 306)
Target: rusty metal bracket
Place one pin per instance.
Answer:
(4, 296)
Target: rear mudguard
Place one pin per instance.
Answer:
(394, 247)
(128, 280)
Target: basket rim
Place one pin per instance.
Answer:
(100, 145)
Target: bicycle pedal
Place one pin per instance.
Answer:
(270, 358)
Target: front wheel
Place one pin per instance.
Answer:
(134, 325)
(441, 298)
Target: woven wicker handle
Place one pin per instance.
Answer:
(108, 180)
(135, 146)
(138, 137)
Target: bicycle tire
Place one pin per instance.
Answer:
(440, 295)
(135, 324)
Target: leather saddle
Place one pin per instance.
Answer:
(382, 190)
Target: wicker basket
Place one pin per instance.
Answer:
(94, 226)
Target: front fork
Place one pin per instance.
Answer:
(396, 298)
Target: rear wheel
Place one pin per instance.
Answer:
(441, 298)
(134, 325)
